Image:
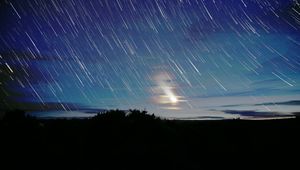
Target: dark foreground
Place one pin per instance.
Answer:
(114, 140)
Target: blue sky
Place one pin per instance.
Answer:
(177, 58)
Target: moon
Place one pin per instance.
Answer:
(173, 99)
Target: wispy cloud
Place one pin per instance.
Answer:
(285, 103)
(39, 106)
(289, 103)
(257, 114)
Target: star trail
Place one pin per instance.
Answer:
(174, 58)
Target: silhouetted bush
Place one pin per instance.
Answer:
(15, 115)
(140, 115)
(118, 115)
(111, 115)
(128, 138)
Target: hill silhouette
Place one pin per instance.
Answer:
(136, 139)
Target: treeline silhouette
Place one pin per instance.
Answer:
(135, 139)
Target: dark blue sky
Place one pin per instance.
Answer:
(177, 58)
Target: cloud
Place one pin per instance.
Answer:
(288, 103)
(202, 118)
(18, 72)
(10, 56)
(285, 103)
(296, 114)
(50, 109)
(38, 106)
(257, 114)
(14, 72)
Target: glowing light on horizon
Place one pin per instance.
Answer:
(173, 99)
(165, 91)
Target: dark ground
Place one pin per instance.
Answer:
(138, 140)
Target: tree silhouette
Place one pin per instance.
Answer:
(15, 115)
(120, 115)
(140, 115)
(110, 115)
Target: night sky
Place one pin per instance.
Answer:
(200, 59)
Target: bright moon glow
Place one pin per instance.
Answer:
(173, 99)
(165, 89)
